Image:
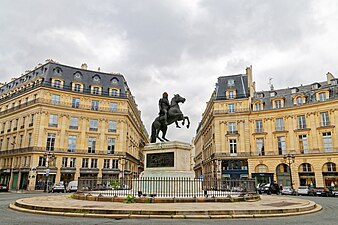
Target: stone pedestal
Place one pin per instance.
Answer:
(167, 160)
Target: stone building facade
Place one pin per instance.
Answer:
(68, 122)
(282, 136)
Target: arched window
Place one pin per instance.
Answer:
(261, 168)
(305, 167)
(330, 167)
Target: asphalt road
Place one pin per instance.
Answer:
(327, 216)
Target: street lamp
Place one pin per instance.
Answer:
(289, 159)
(48, 155)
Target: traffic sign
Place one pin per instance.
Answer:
(47, 172)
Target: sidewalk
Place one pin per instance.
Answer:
(269, 206)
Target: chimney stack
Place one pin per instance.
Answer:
(329, 77)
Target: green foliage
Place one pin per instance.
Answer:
(231, 199)
(130, 199)
(149, 200)
(115, 184)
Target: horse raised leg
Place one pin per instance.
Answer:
(187, 118)
(178, 126)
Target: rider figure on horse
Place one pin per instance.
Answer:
(164, 107)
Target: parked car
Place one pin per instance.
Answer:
(72, 186)
(4, 187)
(334, 191)
(287, 190)
(60, 187)
(304, 190)
(323, 191)
(268, 189)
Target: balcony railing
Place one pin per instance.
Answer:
(232, 132)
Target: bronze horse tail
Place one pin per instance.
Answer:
(153, 133)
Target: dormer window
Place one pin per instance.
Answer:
(322, 96)
(278, 104)
(77, 87)
(57, 84)
(272, 94)
(315, 86)
(334, 82)
(294, 90)
(231, 83)
(299, 100)
(231, 94)
(260, 95)
(96, 90)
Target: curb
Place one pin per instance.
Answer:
(210, 214)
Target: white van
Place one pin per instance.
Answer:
(72, 186)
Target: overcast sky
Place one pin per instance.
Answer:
(178, 46)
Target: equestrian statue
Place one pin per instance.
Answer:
(169, 113)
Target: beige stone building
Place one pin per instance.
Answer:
(68, 122)
(270, 135)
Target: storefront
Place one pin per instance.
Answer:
(263, 178)
(42, 179)
(307, 179)
(24, 179)
(330, 179)
(67, 175)
(235, 169)
(5, 176)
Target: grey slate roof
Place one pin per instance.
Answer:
(286, 93)
(51, 69)
(241, 85)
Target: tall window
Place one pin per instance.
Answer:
(57, 84)
(77, 87)
(106, 163)
(232, 127)
(76, 103)
(278, 104)
(115, 164)
(231, 108)
(71, 143)
(20, 141)
(260, 146)
(301, 122)
(93, 163)
(73, 124)
(42, 161)
(113, 107)
(259, 126)
(29, 139)
(325, 120)
(95, 105)
(16, 124)
(1, 140)
(91, 144)
(93, 125)
(279, 124)
(112, 126)
(50, 142)
(233, 147)
(303, 145)
(32, 120)
(85, 162)
(23, 122)
(322, 96)
(281, 145)
(64, 161)
(111, 145)
(53, 120)
(327, 141)
(55, 99)
(72, 162)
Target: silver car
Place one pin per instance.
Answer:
(303, 190)
(287, 190)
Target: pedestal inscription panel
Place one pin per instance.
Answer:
(155, 160)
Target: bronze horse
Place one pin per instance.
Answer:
(174, 115)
